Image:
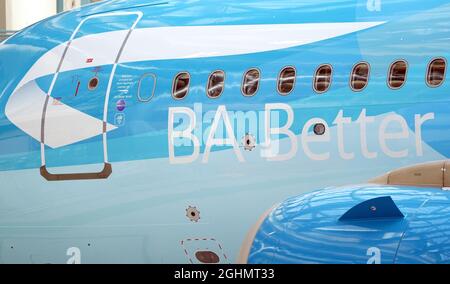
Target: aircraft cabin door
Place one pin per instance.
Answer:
(74, 128)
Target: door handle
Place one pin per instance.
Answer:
(104, 174)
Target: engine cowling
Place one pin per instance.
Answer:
(401, 217)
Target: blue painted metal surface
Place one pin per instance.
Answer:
(377, 208)
(138, 215)
(307, 229)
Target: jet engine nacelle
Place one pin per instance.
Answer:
(364, 224)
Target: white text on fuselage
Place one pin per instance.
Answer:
(225, 128)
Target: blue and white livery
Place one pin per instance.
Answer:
(161, 131)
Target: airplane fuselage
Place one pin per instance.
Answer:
(114, 150)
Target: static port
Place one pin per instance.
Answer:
(319, 129)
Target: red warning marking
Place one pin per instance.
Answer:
(78, 88)
(57, 101)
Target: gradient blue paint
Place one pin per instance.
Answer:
(140, 210)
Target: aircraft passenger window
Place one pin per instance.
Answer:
(322, 79)
(286, 80)
(180, 87)
(360, 76)
(216, 84)
(146, 88)
(397, 74)
(250, 84)
(436, 72)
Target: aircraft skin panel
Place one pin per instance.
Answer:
(103, 210)
(142, 211)
(214, 41)
(206, 41)
(81, 51)
(25, 110)
(46, 64)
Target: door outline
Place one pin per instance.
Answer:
(107, 168)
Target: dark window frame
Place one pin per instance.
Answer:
(243, 81)
(369, 69)
(279, 80)
(173, 85)
(391, 66)
(315, 78)
(209, 80)
(427, 75)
